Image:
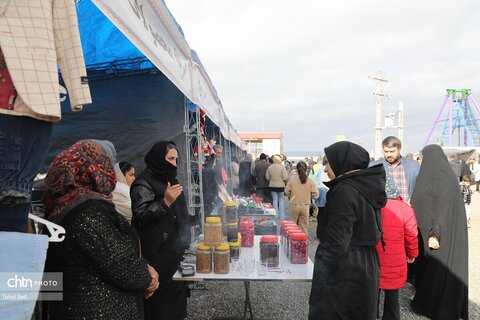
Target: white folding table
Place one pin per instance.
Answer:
(286, 271)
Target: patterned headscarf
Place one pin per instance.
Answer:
(82, 172)
(391, 188)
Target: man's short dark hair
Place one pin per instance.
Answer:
(263, 156)
(392, 142)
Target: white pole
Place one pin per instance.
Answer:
(379, 98)
(400, 121)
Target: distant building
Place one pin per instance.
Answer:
(263, 142)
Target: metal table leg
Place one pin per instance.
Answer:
(248, 303)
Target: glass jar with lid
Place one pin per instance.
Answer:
(298, 248)
(231, 211)
(269, 250)
(288, 237)
(213, 231)
(204, 258)
(232, 231)
(284, 238)
(285, 223)
(221, 263)
(234, 250)
(248, 232)
(224, 212)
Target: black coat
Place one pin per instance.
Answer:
(165, 234)
(441, 275)
(209, 184)
(346, 272)
(259, 173)
(103, 276)
(245, 179)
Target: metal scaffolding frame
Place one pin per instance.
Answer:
(227, 158)
(194, 161)
(120, 68)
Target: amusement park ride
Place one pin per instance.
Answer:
(461, 120)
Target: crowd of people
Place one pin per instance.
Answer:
(368, 235)
(379, 223)
(126, 236)
(117, 259)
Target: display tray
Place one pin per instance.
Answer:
(269, 229)
(263, 213)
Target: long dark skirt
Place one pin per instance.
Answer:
(168, 302)
(440, 294)
(350, 290)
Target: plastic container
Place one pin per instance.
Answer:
(231, 212)
(248, 232)
(234, 250)
(269, 250)
(232, 232)
(204, 258)
(265, 227)
(284, 224)
(213, 231)
(222, 259)
(289, 234)
(298, 248)
(224, 213)
(283, 239)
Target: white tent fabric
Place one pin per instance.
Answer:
(151, 27)
(147, 24)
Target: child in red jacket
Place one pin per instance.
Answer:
(400, 247)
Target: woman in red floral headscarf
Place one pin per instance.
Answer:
(103, 274)
(82, 172)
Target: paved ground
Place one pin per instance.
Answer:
(274, 300)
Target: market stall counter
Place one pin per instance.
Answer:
(263, 216)
(249, 267)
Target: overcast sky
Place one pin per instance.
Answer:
(303, 67)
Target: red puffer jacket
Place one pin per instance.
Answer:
(400, 235)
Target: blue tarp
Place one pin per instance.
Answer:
(103, 43)
(101, 40)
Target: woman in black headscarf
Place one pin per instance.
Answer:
(442, 275)
(162, 221)
(346, 271)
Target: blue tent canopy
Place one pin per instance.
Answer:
(102, 42)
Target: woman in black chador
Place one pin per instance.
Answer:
(346, 274)
(442, 274)
(162, 221)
